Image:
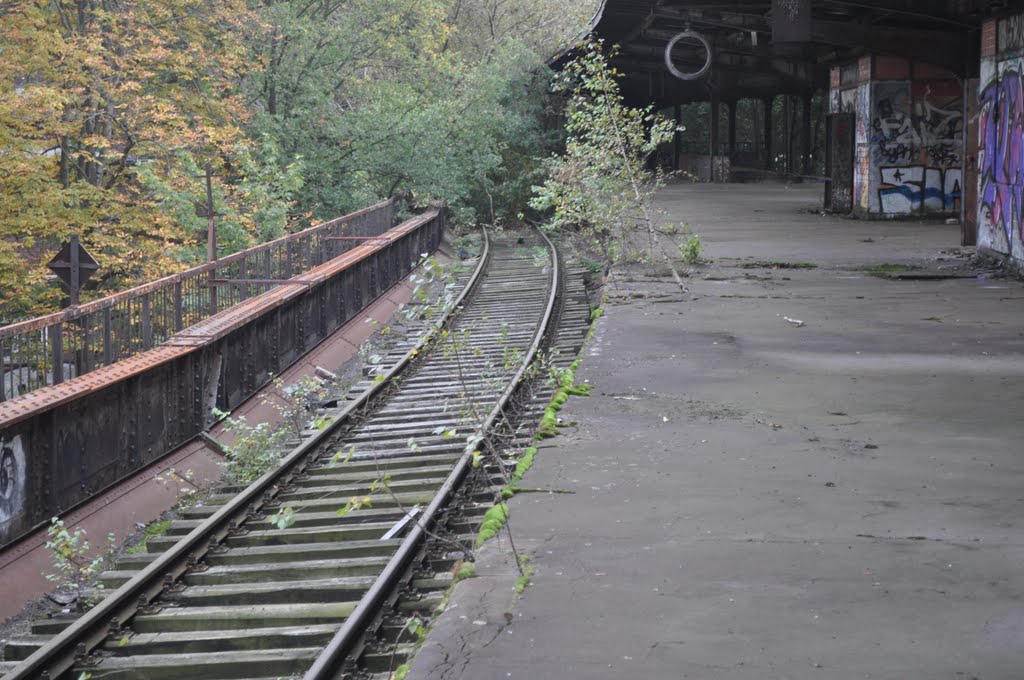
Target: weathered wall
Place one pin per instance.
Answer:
(909, 135)
(1001, 139)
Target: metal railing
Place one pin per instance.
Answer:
(50, 349)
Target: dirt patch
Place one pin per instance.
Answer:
(761, 264)
(702, 410)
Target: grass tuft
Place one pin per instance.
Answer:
(884, 270)
(153, 530)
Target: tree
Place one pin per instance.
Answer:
(111, 111)
(324, 60)
(94, 96)
(543, 26)
(458, 137)
(601, 189)
(380, 98)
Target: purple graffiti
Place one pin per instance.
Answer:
(1002, 169)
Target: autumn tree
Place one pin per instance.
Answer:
(107, 109)
(111, 110)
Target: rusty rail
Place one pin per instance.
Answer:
(50, 349)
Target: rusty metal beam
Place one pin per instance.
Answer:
(270, 282)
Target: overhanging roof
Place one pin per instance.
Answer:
(763, 48)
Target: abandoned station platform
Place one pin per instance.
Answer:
(809, 466)
(806, 464)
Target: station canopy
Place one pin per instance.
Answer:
(763, 48)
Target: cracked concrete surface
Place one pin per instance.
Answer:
(753, 500)
(480, 611)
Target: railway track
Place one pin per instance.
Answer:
(228, 594)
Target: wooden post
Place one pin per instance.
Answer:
(57, 347)
(179, 311)
(108, 338)
(147, 323)
(787, 132)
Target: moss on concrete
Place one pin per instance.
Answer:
(524, 463)
(465, 570)
(494, 520)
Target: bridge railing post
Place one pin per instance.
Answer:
(57, 354)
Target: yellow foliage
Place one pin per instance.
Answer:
(89, 95)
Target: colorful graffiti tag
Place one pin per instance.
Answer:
(862, 178)
(1001, 157)
(862, 173)
(911, 189)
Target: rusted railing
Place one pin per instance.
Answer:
(51, 349)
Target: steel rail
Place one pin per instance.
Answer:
(88, 632)
(328, 664)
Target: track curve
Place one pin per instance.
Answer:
(230, 595)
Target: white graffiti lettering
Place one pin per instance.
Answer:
(12, 478)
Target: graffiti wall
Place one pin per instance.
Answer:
(1001, 143)
(916, 143)
(909, 140)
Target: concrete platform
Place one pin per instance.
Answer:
(752, 499)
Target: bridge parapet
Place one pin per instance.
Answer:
(50, 349)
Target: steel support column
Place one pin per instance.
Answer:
(806, 165)
(732, 128)
(787, 132)
(715, 133)
(677, 137)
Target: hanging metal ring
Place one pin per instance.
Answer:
(692, 35)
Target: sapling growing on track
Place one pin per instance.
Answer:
(600, 192)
